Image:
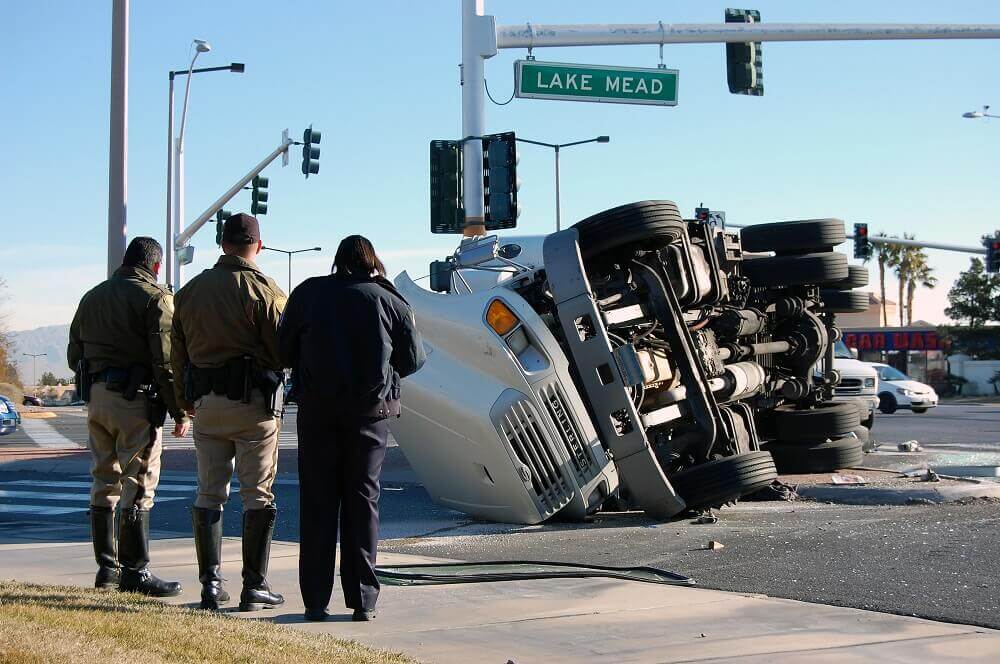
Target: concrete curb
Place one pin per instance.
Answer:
(863, 495)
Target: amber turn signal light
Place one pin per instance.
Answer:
(500, 317)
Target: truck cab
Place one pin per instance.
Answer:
(858, 383)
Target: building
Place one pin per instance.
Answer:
(872, 317)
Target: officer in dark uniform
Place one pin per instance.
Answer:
(349, 338)
(225, 345)
(119, 347)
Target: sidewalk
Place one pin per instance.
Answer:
(585, 620)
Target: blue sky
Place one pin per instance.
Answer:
(862, 131)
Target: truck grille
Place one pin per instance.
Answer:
(572, 441)
(525, 434)
(848, 386)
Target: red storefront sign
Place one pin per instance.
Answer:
(889, 340)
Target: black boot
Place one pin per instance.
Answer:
(208, 546)
(258, 526)
(133, 553)
(102, 533)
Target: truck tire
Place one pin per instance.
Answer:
(811, 269)
(857, 277)
(817, 458)
(863, 433)
(641, 225)
(830, 419)
(718, 482)
(794, 237)
(844, 301)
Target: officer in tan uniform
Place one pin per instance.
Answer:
(119, 347)
(225, 345)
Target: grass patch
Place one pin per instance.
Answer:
(40, 623)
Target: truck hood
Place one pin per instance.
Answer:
(853, 368)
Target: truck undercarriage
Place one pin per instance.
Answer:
(641, 357)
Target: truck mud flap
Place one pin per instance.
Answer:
(616, 416)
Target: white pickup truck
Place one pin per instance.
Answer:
(858, 383)
(635, 358)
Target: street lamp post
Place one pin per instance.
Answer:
(289, 254)
(175, 158)
(557, 147)
(34, 368)
(980, 114)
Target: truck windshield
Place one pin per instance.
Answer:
(841, 351)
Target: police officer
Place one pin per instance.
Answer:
(119, 347)
(349, 338)
(225, 345)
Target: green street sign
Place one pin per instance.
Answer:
(616, 85)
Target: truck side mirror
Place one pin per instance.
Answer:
(854, 353)
(441, 276)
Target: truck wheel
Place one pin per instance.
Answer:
(844, 301)
(817, 458)
(831, 419)
(718, 482)
(887, 403)
(794, 237)
(863, 433)
(857, 277)
(641, 225)
(776, 271)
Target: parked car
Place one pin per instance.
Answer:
(10, 419)
(635, 358)
(31, 400)
(900, 391)
(858, 383)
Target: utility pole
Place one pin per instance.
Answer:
(290, 254)
(34, 369)
(118, 143)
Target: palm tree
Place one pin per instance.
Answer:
(921, 274)
(904, 268)
(887, 256)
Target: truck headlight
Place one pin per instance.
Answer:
(869, 382)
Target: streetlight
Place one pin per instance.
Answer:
(289, 254)
(34, 368)
(557, 147)
(175, 197)
(980, 114)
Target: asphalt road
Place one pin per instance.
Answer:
(933, 561)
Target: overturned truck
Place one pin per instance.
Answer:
(635, 359)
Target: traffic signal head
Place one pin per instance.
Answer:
(220, 222)
(701, 214)
(744, 63)
(447, 209)
(500, 184)
(992, 253)
(310, 151)
(258, 196)
(862, 245)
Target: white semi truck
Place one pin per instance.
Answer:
(636, 356)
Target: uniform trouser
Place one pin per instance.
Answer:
(125, 450)
(230, 434)
(340, 460)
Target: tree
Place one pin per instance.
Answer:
(48, 379)
(8, 372)
(975, 296)
(920, 274)
(887, 256)
(904, 267)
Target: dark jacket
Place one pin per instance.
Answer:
(348, 342)
(125, 322)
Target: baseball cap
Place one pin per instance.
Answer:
(241, 228)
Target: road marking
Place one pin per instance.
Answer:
(40, 509)
(44, 434)
(41, 495)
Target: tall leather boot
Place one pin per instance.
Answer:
(208, 545)
(102, 534)
(133, 553)
(258, 527)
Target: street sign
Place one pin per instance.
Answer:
(616, 85)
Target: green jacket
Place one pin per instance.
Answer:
(123, 322)
(231, 310)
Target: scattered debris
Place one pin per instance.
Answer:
(715, 546)
(848, 479)
(909, 446)
(916, 472)
(702, 636)
(930, 476)
(707, 517)
(920, 501)
(870, 446)
(776, 490)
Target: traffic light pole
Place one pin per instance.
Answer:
(184, 236)
(925, 245)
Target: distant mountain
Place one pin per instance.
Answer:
(51, 340)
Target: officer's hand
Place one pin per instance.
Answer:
(181, 428)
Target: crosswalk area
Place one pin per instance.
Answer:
(69, 494)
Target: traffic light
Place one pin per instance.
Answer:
(447, 209)
(258, 196)
(220, 222)
(992, 245)
(744, 64)
(701, 214)
(862, 245)
(310, 151)
(500, 182)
